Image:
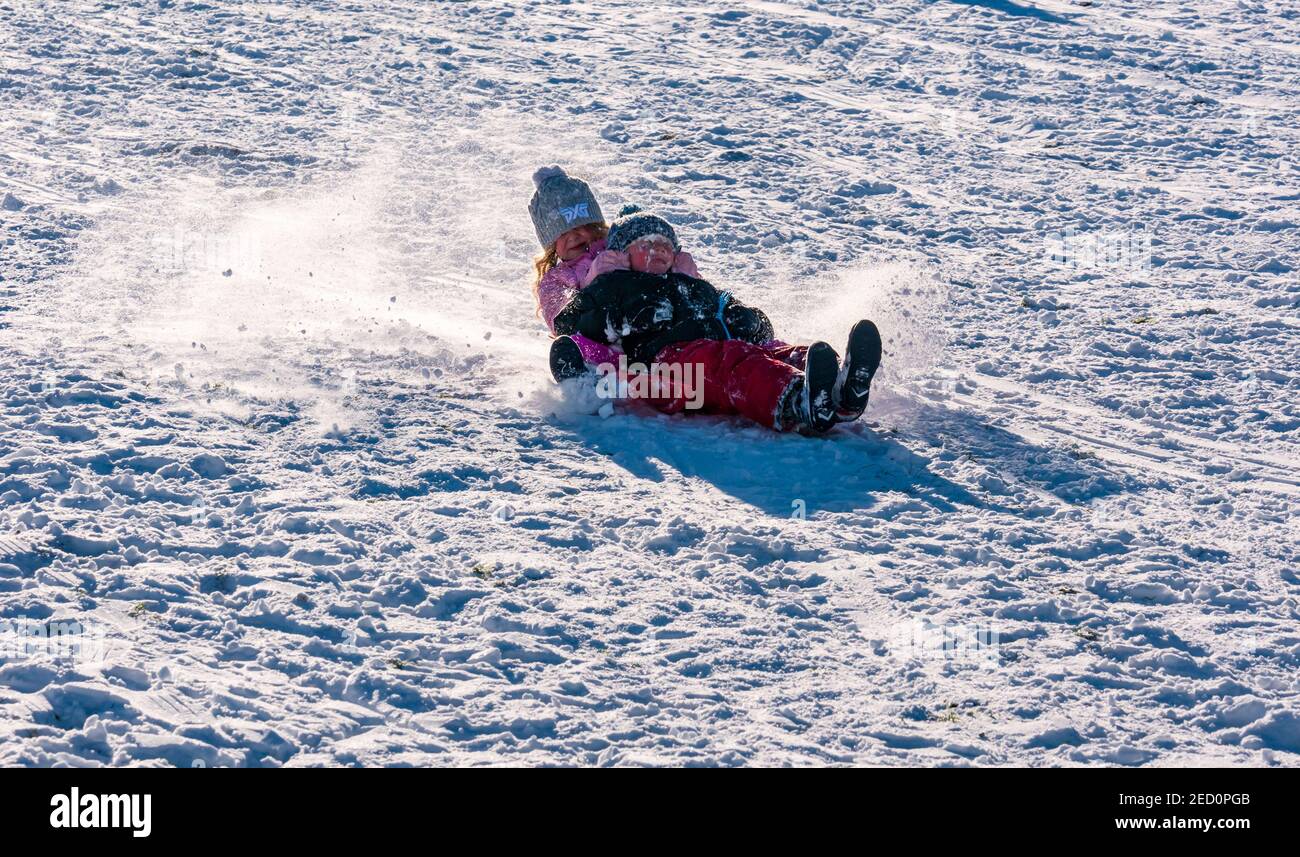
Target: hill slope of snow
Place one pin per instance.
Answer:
(282, 459)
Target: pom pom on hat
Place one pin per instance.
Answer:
(630, 208)
(546, 173)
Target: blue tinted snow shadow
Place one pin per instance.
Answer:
(843, 471)
(1009, 8)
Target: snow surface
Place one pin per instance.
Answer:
(279, 438)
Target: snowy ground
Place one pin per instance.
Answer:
(278, 436)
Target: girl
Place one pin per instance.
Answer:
(642, 294)
(572, 233)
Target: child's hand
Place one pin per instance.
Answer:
(684, 264)
(606, 261)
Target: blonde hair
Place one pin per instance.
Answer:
(547, 260)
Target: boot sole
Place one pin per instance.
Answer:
(566, 360)
(861, 360)
(820, 372)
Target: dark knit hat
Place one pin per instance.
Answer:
(632, 223)
(560, 203)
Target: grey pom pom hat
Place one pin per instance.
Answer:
(632, 224)
(560, 203)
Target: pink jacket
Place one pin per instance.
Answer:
(558, 287)
(562, 282)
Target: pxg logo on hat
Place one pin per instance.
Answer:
(573, 212)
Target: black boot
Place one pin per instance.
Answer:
(861, 360)
(566, 359)
(810, 402)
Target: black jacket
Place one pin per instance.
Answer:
(643, 313)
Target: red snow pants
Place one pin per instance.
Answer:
(739, 377)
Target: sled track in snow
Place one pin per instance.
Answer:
(1274, 473)
(21, 544)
